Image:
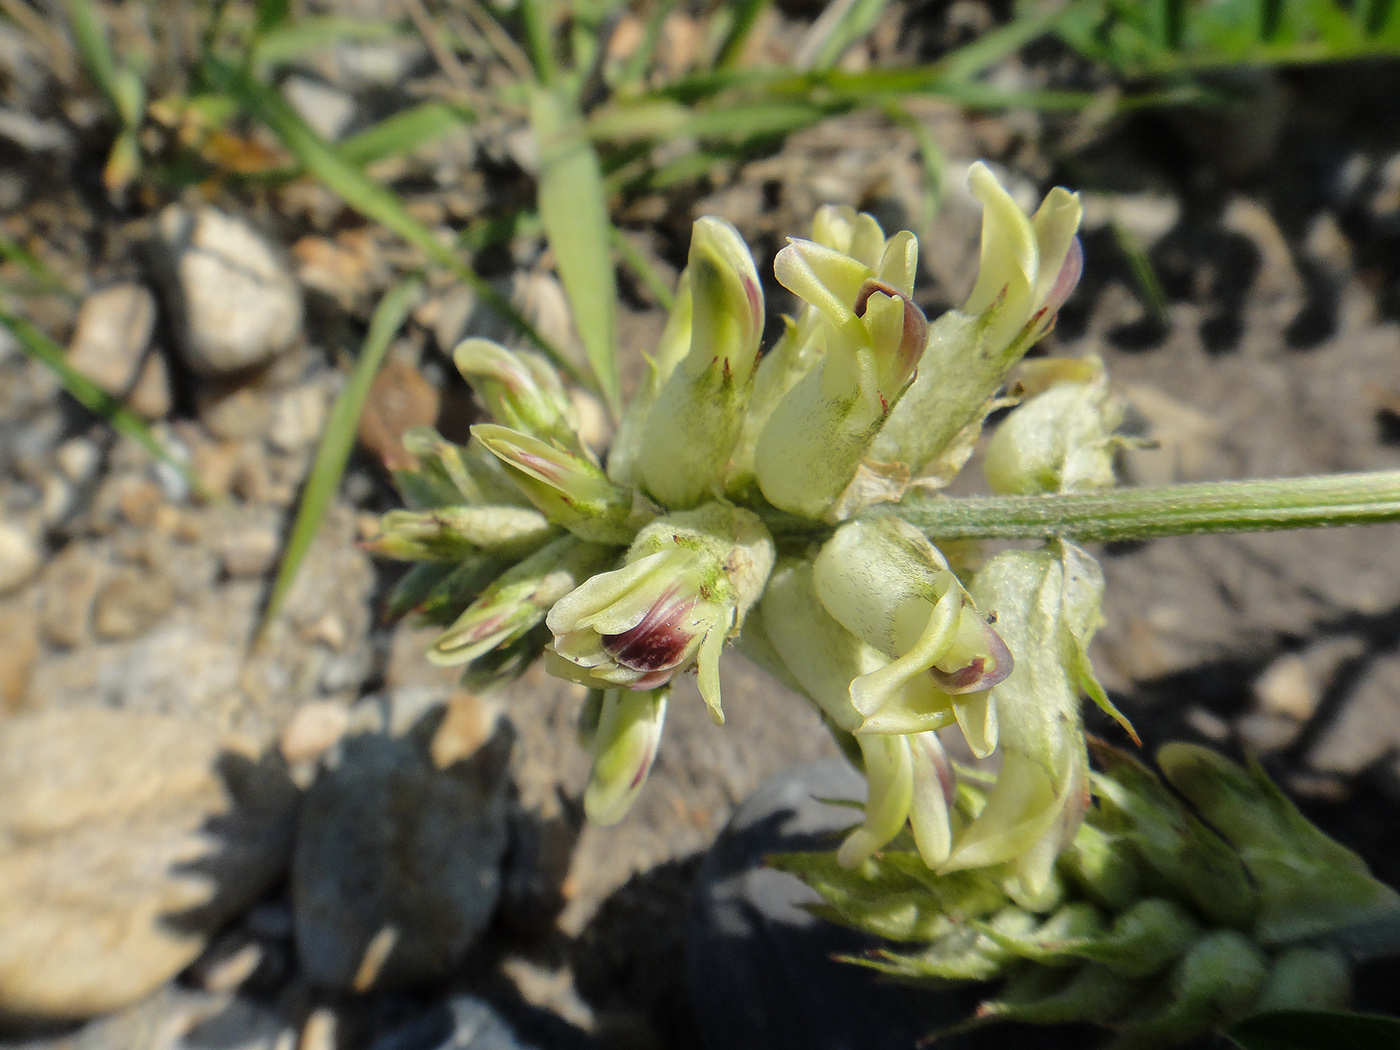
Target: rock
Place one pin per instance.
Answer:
(70, 585)
(125, 840)
(327, 110)
(78, 458)
(249, 551)
(1262, 732)
(466, 1022)
(759, 967)
(1365, 731)
(18, 651)
(198, 662)
(235, 413)
(131, 603)
(298, 416)
(176, 1018)
(233, 297)
(112, 334)
(19, 557)
(314, 729)
(399, 399)
(318, 1033)
(397, 866)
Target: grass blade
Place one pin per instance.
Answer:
(836, 30)
(404, 132)
(744, 17)
(366, 196)
(978, 55)
(300, 37)
(96, 400)
(634, 69)
(574, 210)
(90, 40)
(639, 264)
(333, 452)
(1153, 295)
(47, 281)
(934, 162)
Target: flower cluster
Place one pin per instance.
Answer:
(1164, 919)
(754, 497)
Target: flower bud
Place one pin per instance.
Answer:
(1028, 269)
(1042, 790)
(1093, 994)
(815, 438)
(839, 227)
(1306, 978)
(684, 587)
(889, 777)
(1103, 868)
(1195, 861)
(692, 428)
(1059, 440)
(519, 599)
(521, 391)
(623, 747)
(1308, 884)
(455, 533)
(892, 588)
(1054, 941)
(1212, 986)
(626, 447)
(935, 790)
(568, 489)
(1144, 939)
(820, 654)
(450, 475)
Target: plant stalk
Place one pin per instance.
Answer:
(1171, 510)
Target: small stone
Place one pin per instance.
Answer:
(318, 1033)
(327, 110)
(249, 552)
(298, 416)
(397, 866)
(56, 499)
(70, 585)
(235, 413)
(131, 603)
(314, 729)
(1262, 732)
(1208, 724)
(125, 840)
(346, 267)
(399, 399)
(151, 396)
(467, 724)
(139, 500)
(226, 964)
(19, 648)
(19, 557)
(1287, 689)
(111, 336)
(234, 298)
(77, 458)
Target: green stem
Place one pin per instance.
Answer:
(1171, 510)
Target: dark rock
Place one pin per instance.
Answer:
(466, 1022)
(397, 867)
(760, 968)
